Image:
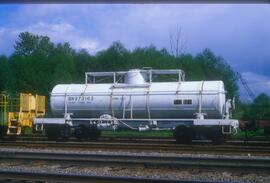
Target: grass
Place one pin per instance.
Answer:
(257, 134)
(132, 133)
(241, 135)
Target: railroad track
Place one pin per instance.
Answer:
(142, 147)
(243, 163)
(151, 140)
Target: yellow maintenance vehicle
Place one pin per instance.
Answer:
(18, 111)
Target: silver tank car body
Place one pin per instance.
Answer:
(138, 97)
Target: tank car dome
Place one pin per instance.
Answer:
(134, 76)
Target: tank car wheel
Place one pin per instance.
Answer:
(52, 132)
(183, 134)
(217, 137)
(65, 132)
(94, 133)
(81, 132)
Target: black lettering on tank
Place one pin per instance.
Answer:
(80, 99)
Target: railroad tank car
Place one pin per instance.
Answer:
(134, 100)
(164, 99)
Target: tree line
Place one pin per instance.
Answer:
(38, 64)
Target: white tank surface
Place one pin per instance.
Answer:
(138, 97)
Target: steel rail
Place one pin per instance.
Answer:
(167, 140)
(243, 163)
(59, 177)
(221, 149)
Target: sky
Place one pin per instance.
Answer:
(238, 33)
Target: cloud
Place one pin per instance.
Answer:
(64, 32)
(6, 40)
(232, 31)
(58, 32)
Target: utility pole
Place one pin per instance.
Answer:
(244, 83)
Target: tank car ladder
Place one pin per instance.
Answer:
(13, 126)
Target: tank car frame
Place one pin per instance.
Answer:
(216, 126)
